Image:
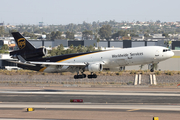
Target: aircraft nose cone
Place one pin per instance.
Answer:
(171, 54)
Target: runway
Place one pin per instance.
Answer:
(64, 96)
(95, 101)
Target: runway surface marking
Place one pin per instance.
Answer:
(24, 119)
(91, 106)
(92, 93)
(133, 110)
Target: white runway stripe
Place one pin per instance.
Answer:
(92, 106)
(24, 119)
(94, 93)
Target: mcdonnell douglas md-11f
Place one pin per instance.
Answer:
(32, 58)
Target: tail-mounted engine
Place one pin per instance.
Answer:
(30, 54)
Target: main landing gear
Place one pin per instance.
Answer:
(79, 76)
(84, 76)
(92, 76)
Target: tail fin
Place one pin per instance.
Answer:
(27, 50)
(22, 43)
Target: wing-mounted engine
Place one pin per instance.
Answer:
(30, 54)
(96, 67)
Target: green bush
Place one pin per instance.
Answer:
(158, 73)
(119, 73)
(169, 72)
(133, 72)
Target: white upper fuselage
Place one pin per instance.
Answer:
(123, 57)
(127, 56)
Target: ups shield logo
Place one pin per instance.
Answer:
(21, 43)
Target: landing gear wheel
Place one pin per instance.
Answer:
(79, 76)
(92, 76)
(75, 76)
(89, 76)
(152, 70)
(84, 75)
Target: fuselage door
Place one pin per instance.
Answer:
(157, 54)
(121, 62)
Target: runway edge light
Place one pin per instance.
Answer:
(30, 109)
(155, 118)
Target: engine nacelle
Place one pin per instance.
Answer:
(94, 67)
(28, 55)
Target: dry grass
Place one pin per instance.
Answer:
(133, 72)
(119, 73)
(170, 72)
(104, 73)
(157, 72)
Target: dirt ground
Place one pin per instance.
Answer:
(89, 115)
(56, 79)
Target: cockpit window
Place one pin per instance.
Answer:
(165, 50)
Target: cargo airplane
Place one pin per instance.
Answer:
(32, 58)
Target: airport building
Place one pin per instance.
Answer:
(105, 44)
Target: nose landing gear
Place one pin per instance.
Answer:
(152, 70)
(153, 66)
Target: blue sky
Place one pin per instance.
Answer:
(76, 11)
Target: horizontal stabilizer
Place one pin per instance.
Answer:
(17, 62)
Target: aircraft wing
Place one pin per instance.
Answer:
(52, 63)
(59, 63)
